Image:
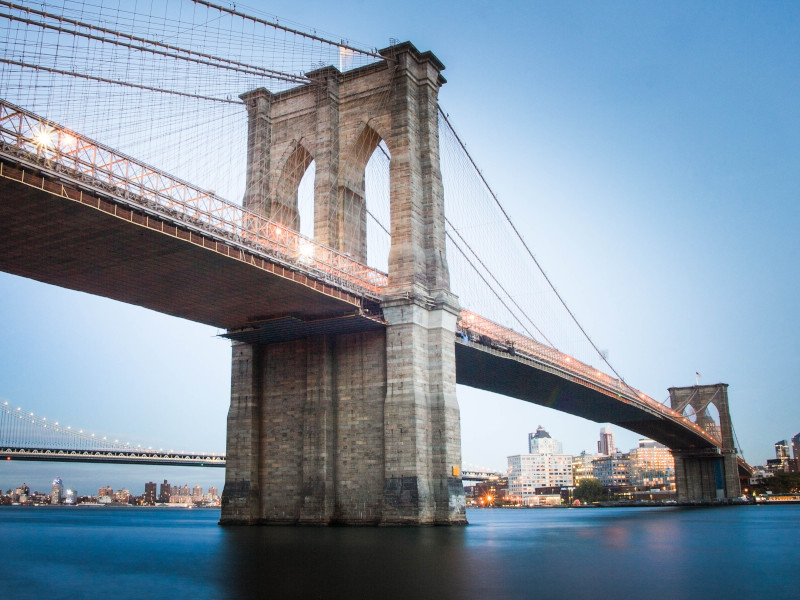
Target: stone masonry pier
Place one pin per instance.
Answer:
(357, 427)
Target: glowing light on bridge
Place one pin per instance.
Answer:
(45, 137)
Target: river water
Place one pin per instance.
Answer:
(153, 553)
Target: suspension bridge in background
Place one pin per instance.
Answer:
(26, 436)
(29, 437)
(369, 269)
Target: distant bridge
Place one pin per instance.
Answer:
(479, 475)
(119, 457)
(26, 436)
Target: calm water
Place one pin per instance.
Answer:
(665, 553)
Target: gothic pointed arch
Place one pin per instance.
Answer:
(284, 197)
(352, 193)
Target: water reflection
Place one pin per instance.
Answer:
(347, 562)
(719, 553)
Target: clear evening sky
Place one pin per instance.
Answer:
(650, 154)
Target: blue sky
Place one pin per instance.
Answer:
(650, 154)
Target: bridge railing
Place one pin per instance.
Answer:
(71, 152)
(483, 331)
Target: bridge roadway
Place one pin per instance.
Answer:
(119, 457)
(84, 227)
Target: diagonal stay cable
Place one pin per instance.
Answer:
(471, 264)
(527, 248)
(500, 285)
(488, 285)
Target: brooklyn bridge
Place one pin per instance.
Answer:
(350, 325)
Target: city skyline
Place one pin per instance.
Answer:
(121, 475)
(649, 154)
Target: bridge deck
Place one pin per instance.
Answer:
(484, 368)
(63, 235)
(108, 237)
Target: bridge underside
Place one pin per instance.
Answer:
(91, 244)
(486, 369)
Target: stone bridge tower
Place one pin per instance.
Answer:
(359, 428)
(703, 476)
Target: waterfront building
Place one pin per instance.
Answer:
(105, 491)
(541, 443)
(57, 495)
(70, 497)
(21, 494)
(527, 472)
(612, 471)
(605, 445)
(122, 496)
(541, 469)
(212, 496)
(179, 499)
(582, 467)
(652, 466)
(760, 475)
(776, 465)
(493, 492)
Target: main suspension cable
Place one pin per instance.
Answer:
(116, 82)
(276, 25)
(213, 62)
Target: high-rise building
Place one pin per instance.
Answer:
(782, 460)
(606, 444)
(165, 492)
(149, 493)
(795, 463)
(541, 443)
(197, 494)
(105, 491)
(57, 495)
(782, 449)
